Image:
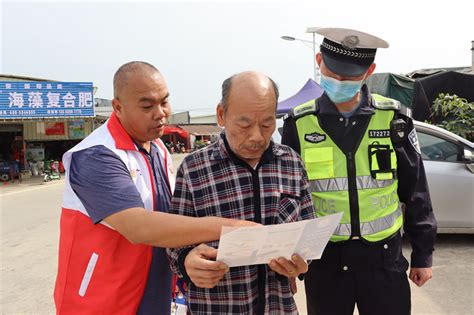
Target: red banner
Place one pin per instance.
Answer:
(54, 129)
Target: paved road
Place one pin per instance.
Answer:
(30, 233)
(29, 236)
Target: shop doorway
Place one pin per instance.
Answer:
(12, 151)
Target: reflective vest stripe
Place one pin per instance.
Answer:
(88, 274)
(368, 182)
(367, 228)
(341, 183)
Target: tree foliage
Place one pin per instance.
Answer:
(454, 114)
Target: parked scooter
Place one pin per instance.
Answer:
(4, 171)
(51, 171)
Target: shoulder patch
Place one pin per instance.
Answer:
(304, 109)
(414, 141)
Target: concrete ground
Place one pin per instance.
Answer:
(28, 257)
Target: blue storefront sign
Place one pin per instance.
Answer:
(46, 99)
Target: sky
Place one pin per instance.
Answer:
(197, 45)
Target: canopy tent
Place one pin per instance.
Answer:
(400, 88)
(176, 130)
(310, 91)
(428, 88)
(419, 93)
(421, 73)
(392, 85)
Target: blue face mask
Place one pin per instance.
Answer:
(340, 91)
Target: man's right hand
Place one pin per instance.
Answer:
(204, 272)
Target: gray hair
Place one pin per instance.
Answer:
(227, 86)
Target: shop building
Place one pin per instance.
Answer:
(41, 119)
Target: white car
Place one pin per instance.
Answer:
(449, 166)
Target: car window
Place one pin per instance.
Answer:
(437, 149)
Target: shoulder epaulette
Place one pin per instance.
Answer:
(406, 111)
(382, 102)
(303, 109)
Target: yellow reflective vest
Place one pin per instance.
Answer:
(368, 174)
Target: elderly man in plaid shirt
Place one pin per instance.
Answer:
(243, 175)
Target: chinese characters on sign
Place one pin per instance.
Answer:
(46, 99)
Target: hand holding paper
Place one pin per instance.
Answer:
(203, 271)
(260, 244)
(289, 268)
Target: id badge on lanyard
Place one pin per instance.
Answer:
(178, 305)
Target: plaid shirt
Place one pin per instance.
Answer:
(214, 182)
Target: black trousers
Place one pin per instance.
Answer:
(373, 277)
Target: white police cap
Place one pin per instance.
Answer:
(348, 52)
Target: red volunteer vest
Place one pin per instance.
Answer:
(99, 271)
